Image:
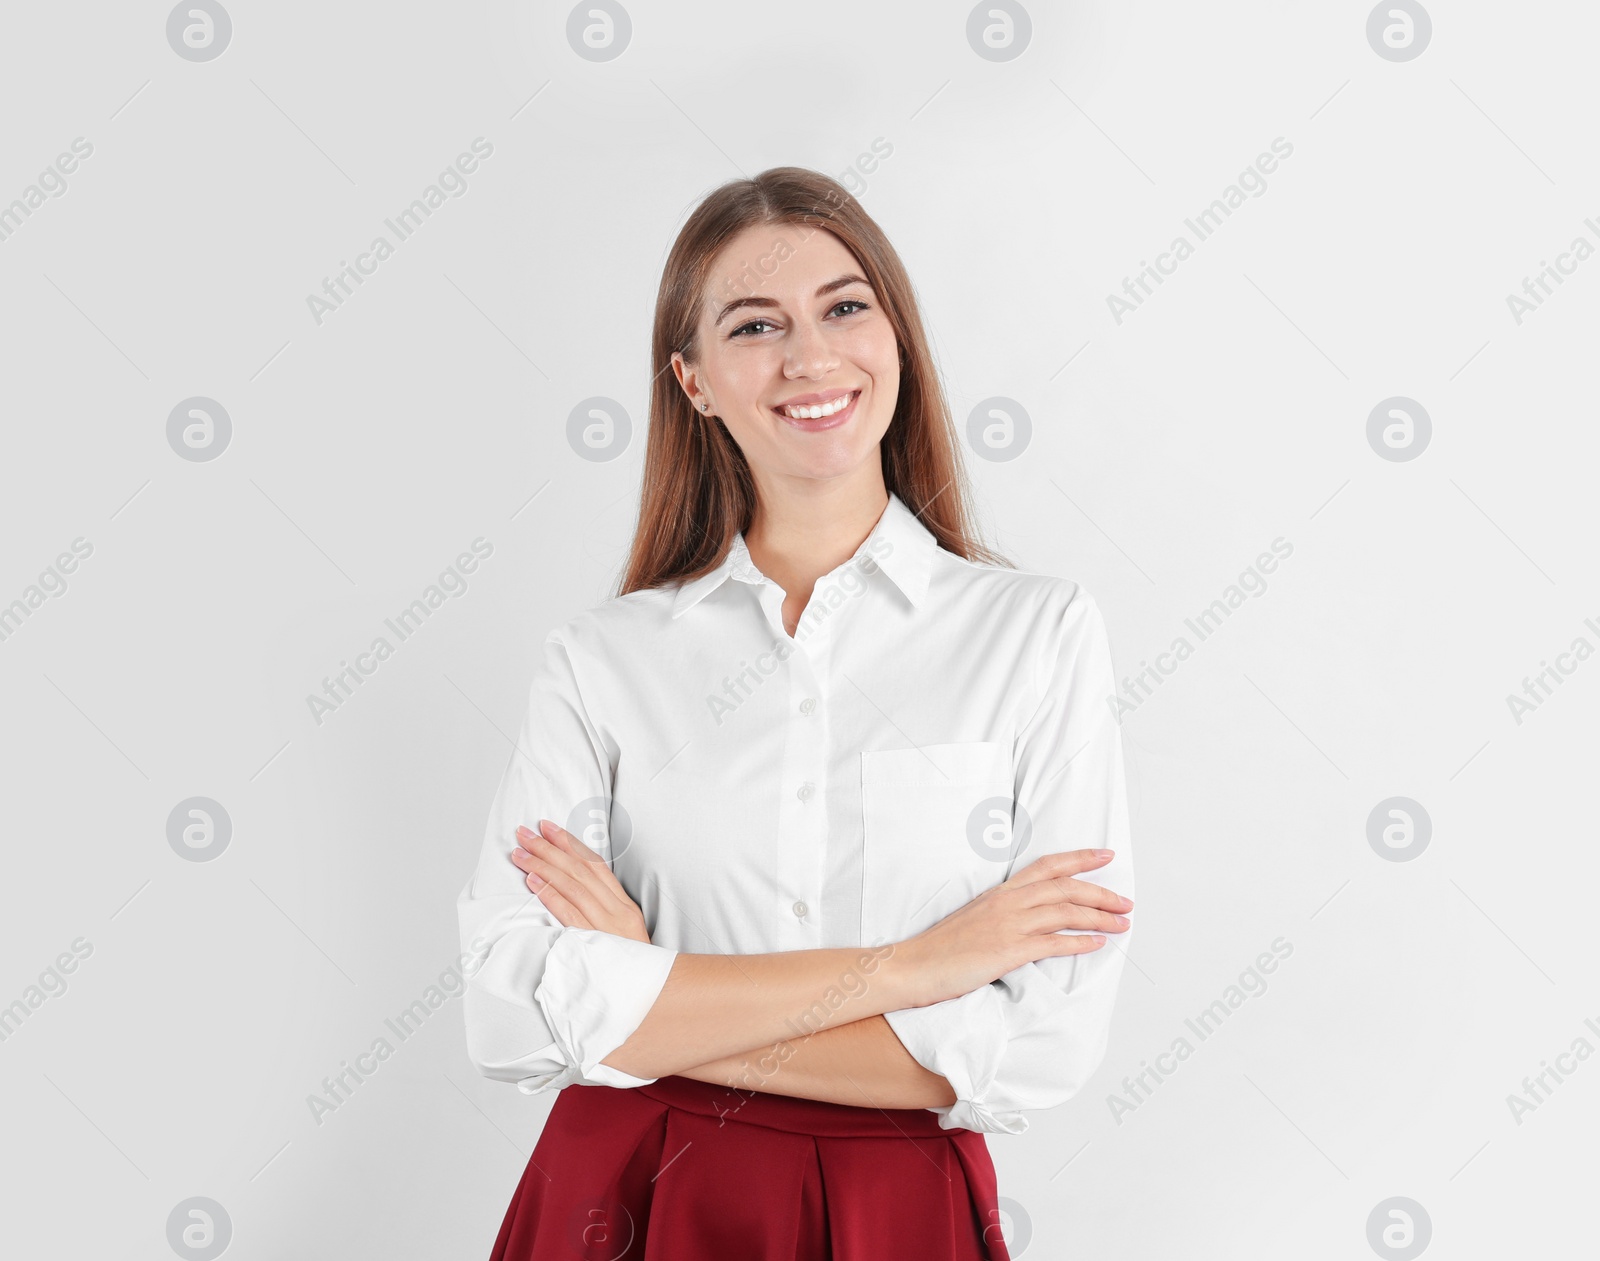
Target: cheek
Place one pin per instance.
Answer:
(741, 380)
(879, 355)
(875, 350)
(885, 396)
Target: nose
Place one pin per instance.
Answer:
(808, 353)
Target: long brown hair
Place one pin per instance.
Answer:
(697, 492)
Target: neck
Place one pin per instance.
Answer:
(801, 533)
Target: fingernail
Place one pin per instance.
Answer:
(1103, 853)
(1098, 939)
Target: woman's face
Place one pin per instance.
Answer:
(789, 327)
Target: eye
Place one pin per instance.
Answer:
(744, 329)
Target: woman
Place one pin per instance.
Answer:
(781, 889)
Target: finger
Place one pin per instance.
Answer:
(561, 908)
(553, 831)
(566, 914)
(1083, 892)
(605, 878)
(1058, 915)
(569, 876)
(1071, 944)
(552, 888)
(556, 857)
(1067, 863)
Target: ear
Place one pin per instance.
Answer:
(689, 379)
(685, 372)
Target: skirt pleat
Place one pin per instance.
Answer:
(733, 1190)
(681, 1170)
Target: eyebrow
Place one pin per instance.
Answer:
(832, 285)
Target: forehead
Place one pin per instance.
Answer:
(783, 261)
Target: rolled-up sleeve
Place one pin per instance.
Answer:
(1032, 1038)
(543, 1003)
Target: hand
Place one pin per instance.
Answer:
(575, 884)
(1015, 923)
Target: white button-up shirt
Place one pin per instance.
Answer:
(932, 727)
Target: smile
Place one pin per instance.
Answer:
(821, 415)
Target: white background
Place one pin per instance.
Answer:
(1171, 449)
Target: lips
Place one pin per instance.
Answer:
(811, 425)
(824, 398)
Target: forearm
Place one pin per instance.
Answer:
(861, 1063)
(716, 1006)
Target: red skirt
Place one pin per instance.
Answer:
(681, 1170)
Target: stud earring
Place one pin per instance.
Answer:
(704, 406)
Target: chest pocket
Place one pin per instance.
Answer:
(936, 827)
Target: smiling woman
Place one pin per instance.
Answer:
(756, 956)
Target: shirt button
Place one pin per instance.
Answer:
(805, 791)
(800, 910)
(807, 705)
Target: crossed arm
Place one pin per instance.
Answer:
(860, 1062)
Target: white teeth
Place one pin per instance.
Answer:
(821, 410)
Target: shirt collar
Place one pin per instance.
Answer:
(907, 559)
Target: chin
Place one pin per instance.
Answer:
(832, 465)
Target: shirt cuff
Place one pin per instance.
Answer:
(961, 1039)
(596, 990)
